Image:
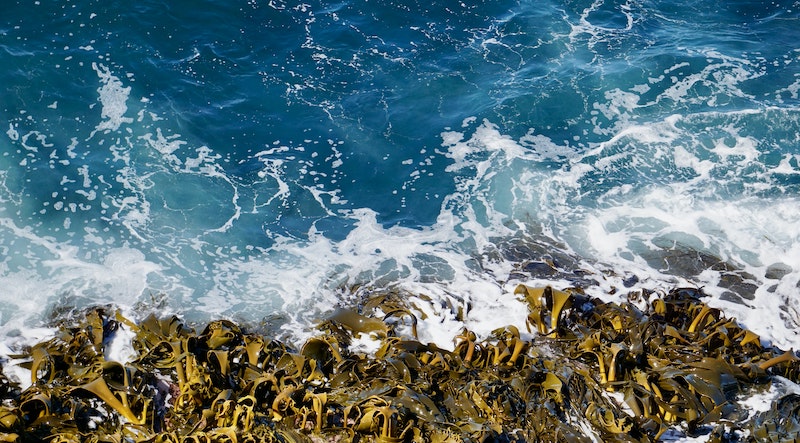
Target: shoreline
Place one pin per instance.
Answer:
(585, 370)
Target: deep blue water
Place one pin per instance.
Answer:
(248, 158)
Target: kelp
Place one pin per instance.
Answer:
(617, 371)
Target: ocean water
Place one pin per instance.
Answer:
(264, 160)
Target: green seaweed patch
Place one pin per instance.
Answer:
(584, 368)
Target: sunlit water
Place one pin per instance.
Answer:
(257, 159)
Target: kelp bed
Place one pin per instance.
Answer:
(614, 371)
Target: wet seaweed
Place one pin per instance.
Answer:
(621, 372)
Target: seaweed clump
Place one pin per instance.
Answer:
(614, 371)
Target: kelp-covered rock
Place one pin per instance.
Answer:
(614, 371)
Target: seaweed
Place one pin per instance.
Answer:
(616, 371)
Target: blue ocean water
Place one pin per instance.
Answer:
(256, 159)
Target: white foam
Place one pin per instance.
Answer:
(500, 193)
(365, 344)
(165, 145)
(747, 232)
(45, 272)
(120, 348)
(12, 132)
(113, 97)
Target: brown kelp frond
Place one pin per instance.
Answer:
(620, 372)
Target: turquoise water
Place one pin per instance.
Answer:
(253, 159)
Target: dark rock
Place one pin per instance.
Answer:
(776, 271)
(630, 280)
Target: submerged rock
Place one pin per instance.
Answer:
(585, 369)
(777, 271)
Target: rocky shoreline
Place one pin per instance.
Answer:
(584, 371)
